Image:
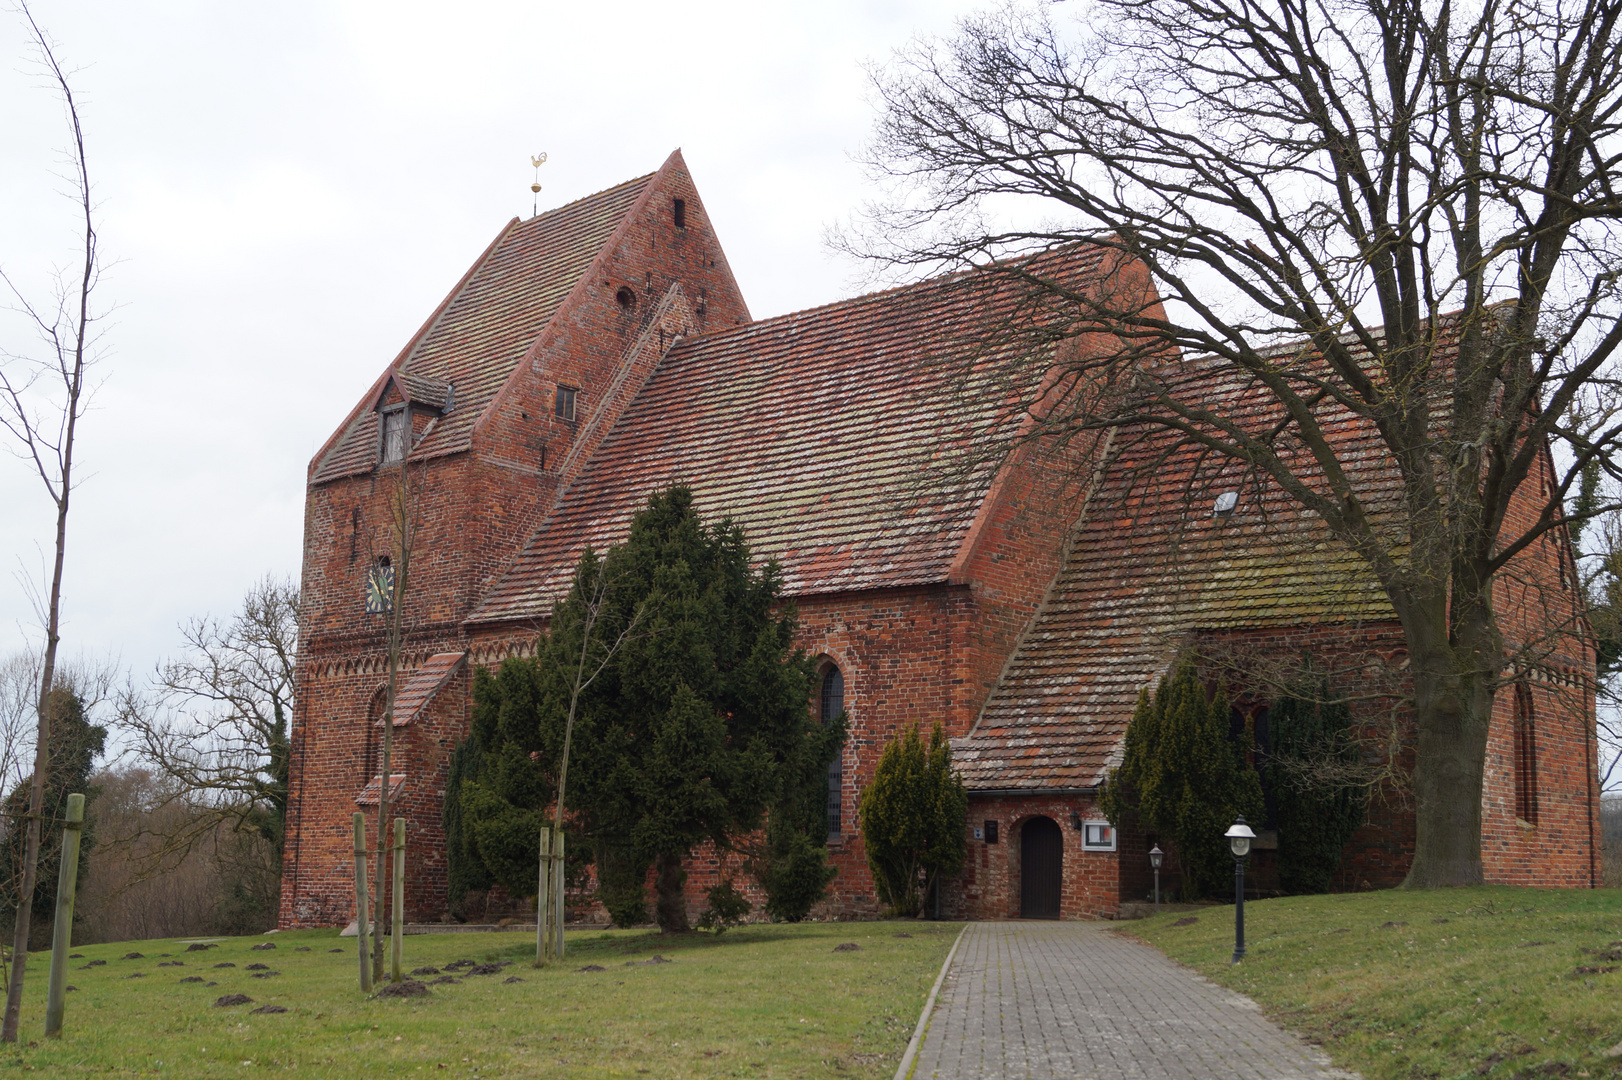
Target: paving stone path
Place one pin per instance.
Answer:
(1039, 1000)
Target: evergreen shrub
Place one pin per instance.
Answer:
(1185, 778)
(914, 815)
(1313, 774)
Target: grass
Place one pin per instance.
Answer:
(1493, 981)
(760, 1001)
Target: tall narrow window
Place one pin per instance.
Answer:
(678, 211)
(833, 703)
(396, 434)
(564, 404)
(1526, 766)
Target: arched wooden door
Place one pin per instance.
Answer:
(1041, 861)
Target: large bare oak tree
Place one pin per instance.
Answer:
(1426, 191)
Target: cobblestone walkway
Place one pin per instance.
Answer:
(1039, 1000)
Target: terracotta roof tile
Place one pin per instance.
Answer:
(1149, 566)
(368, 795)
(426, 390)
(810, 431)
(490, 323)
(421, 686)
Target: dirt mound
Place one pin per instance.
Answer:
(254, 967)
(264, 975)
(849, 946)
(226, 963)
(201, 946)
(192, 978)
(263, 945)
(592, 967)
(445, 980)
(134, 956)
(485, 969)
(405, 989)
(425, 971)
(267, 1009)
(232, 999)
(656, 959)
(512, 978)
(1187, 920)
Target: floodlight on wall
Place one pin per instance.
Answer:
(1225, 503)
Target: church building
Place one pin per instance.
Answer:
(601, 352)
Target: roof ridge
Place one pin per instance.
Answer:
(611, 189)
(938, 281)
(580, 287)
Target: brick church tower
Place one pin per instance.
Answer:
(506, 392)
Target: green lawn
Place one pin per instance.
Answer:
(1493, 981)
(760, 1001)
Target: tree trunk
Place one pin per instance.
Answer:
(42, 757)
(1453, 696)
(671, 913)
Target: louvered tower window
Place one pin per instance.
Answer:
(1526, 770)
(396, 434)
(833, 703)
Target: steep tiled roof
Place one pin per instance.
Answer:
(1150, 565)
(372, 792)
(491, 321)
(809, 430)
(421, 686)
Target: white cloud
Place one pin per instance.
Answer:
(288, 191)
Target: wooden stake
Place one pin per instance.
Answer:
(543, 903)
(557, 889)
(362, 907)
(67, 879)
(397, 919)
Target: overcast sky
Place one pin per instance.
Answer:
(285, 191)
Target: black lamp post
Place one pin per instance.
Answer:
(1239, 838)
(1155, 855)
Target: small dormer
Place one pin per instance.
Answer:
(408, 406)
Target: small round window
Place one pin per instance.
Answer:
(625, 298)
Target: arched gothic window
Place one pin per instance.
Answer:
(1526, 766)
(833, 703)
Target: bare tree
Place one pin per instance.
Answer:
(1427, 194)
(215, 728)
(404, 526)
(579, 615)
(42, 398)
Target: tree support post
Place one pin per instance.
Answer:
(397, 915)
(62, 930)
(363, 912)
(543, 902)
(557, 892)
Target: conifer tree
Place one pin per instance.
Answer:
(75, 745)
(695, 726)
(913, 817)
(1185, 778)
(1312, 773)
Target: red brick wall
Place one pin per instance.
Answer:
(989, 887)
(477, 509)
